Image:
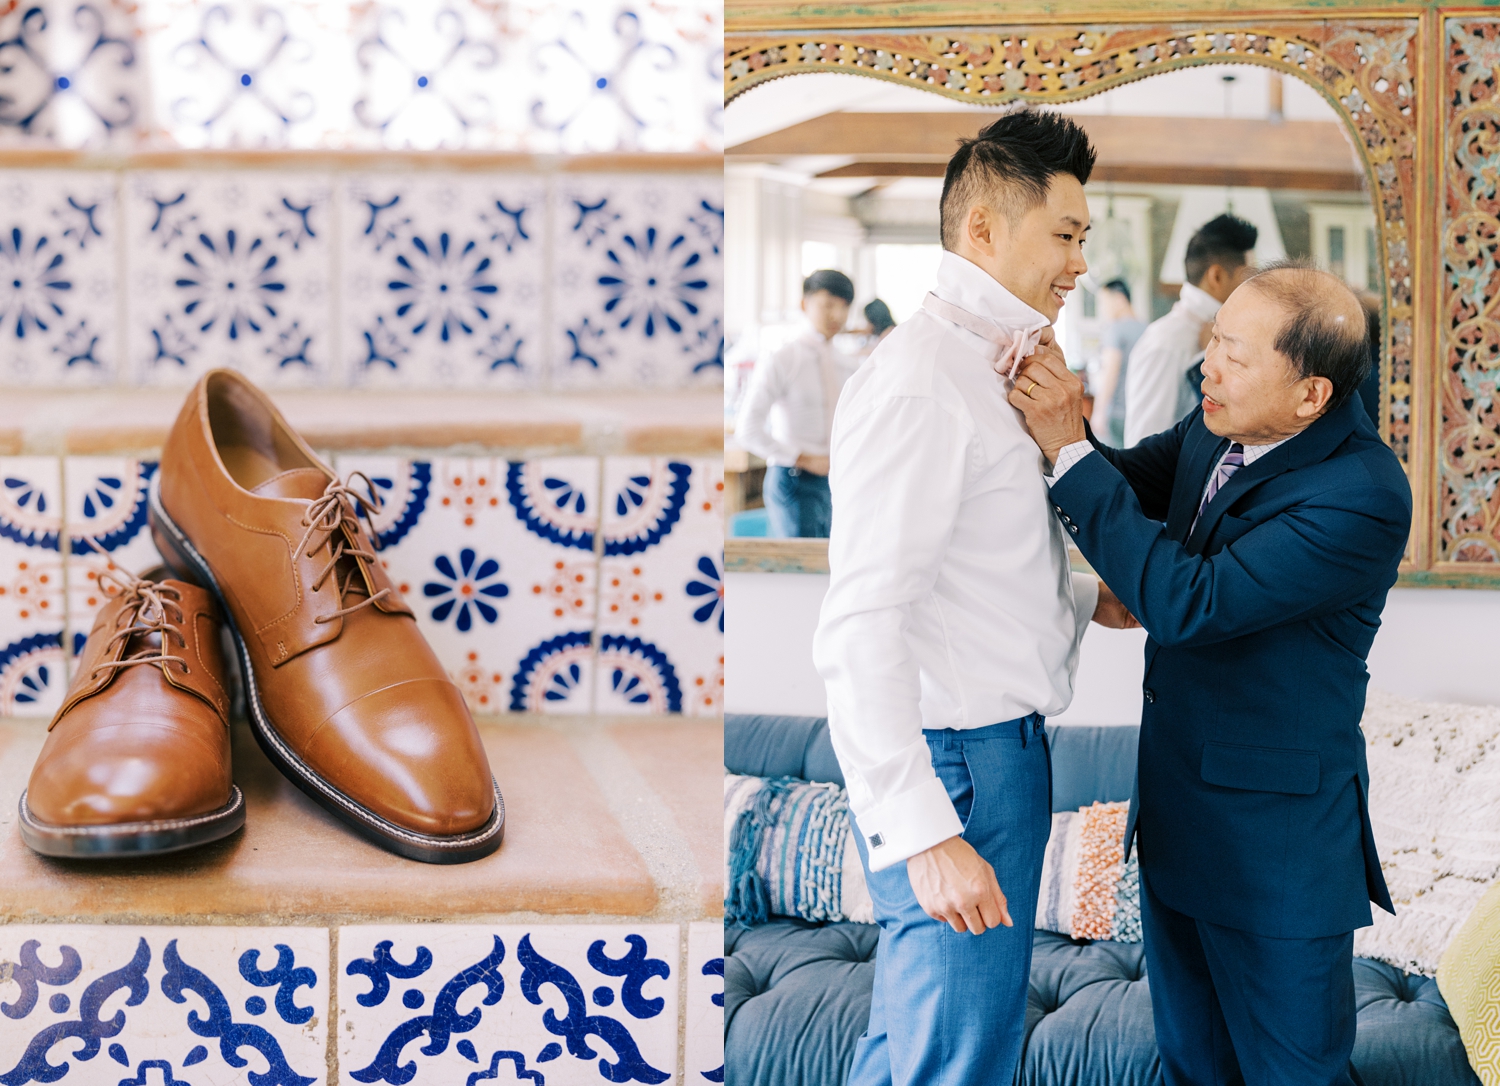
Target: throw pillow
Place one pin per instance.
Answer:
(1434, 805)
(1469, 978)
(1089, 889)
(789, 849)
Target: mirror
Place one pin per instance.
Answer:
(828, 171)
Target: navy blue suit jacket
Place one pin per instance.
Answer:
(1250, 800)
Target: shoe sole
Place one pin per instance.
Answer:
(186, 563)
(122, 840)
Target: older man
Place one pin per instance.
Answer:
(1255, 541)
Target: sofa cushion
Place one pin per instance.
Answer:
(797, 998)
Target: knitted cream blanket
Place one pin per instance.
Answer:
(1435, 809)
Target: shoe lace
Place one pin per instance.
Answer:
(154, 609)
(341, 504)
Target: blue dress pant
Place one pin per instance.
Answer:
(798, 503)
(1236, 1009)
(949, 1009)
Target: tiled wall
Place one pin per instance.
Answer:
(299, 278)
(533, 76)
(416, 1004)
(568, 585)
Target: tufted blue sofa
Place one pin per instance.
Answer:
(797, 995)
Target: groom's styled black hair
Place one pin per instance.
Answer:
(1011, 163)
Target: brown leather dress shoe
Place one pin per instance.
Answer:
(137, 759)
(344, 694)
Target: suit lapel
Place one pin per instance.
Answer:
(1309, 447)
(1203, 451)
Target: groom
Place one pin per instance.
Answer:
(1256, 540)
(952, 621)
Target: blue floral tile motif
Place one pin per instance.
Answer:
(564, 1003)
(705, 1003)
(157, 983)
(551, 505)
(636, 676)
(474, 583)
(440, 284)
(71, 74)
(707, 587)
(401, 493)
(639, 282)
(33, 676)
(57, 276)
(556, 673)
(643, 506)
(229, 270)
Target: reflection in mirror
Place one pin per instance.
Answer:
(837, 173)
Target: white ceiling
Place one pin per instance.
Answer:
(1187, 92)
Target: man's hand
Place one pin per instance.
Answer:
(955, 884)
(1111, 613)
(817, 465)
(1051, 397)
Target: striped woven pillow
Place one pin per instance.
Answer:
(790, 851)
(1089, 890)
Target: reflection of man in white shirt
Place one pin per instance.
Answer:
(952, 620)
(787, 412)
(1217, 261)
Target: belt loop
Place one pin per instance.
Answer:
(1024, 719)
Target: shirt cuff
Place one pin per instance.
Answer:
(912, 822)
(1067, 456)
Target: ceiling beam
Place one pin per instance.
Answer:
(1137, 143)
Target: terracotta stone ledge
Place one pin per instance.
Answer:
(136, 421)
(565, 853)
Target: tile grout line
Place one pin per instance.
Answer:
(594, 634)
(334, 1075)
(122, 286)
(340, 374)
(65, 555)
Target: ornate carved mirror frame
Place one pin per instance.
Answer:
(1418, 87)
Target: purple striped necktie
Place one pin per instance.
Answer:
(1233, 460)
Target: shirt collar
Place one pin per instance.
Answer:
(970, 287)
(1255, 452)
(1199, 303)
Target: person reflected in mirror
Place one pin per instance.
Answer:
(1217, 261)
(1122, 330)
(1256, 540)
(787, 412)
(878, 316)
(951, 625)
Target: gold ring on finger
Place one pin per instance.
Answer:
(1028, 391)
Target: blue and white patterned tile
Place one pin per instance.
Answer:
(229, 269)
(106, 504)
(497, 560)
(71, 75)
(556, 1003)
(194, 1004)
(57, 276)
(441, 284)
(638, 282)
(704, 1048)
(33, 671)
(661, 587)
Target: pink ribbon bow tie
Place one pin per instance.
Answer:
(1009, 348)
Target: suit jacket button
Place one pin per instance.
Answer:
(1073, 528)
(1150, 696)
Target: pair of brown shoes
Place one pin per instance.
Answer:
(342, 692)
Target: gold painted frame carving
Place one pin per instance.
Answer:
(1380, 67)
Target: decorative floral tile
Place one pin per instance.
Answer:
(638, 282)
(705, 1003)
(229, 269)
(661, 587)
(33, 673)
(164, 1006)
(106, 504)
(555, 1004)
(72, 77)
(57, 274)
(497, 560)
(441, 283)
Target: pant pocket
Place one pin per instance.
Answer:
(952, 769)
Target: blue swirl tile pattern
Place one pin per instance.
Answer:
(154, 1031)
(532, 996)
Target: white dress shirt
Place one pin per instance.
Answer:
(950, 602)
(788, 407)
(1159, 362)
